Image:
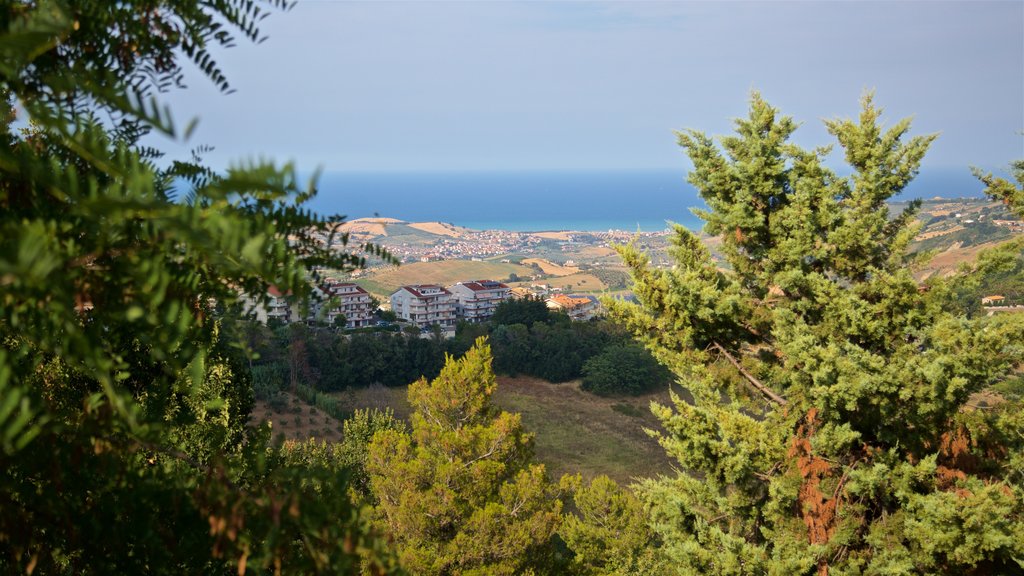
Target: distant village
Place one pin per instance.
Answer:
(466, 244)
(424, 306)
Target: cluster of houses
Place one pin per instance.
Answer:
(420, 305)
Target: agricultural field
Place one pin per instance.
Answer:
(384, 281)
(551, 268)
(581, 282)
(293, 419)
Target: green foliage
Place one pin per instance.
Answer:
(125, 390)
(828, 431)
(608, 533)
(358, 431)
(554, 351)
(521, 311)
(268, 379)
(1012, 194)
(327, 361)
(998, 270)
(613, 278)
(459, 494)
(624, 370)
(347, 458)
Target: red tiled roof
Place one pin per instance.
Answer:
(275, 291)
(415, 290)
(330, 285)
(478, 285)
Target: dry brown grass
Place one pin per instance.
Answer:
(440, 228)
(564, 235)
(443, 272)
(948, 261)
(577, 432)
(581, 282)
(574, 431)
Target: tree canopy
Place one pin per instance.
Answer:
(123, 391)
(829, 431)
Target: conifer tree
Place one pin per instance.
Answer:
(829, 431)
(608, 532)
(460, 494)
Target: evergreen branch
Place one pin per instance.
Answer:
(750, 378)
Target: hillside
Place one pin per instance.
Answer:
(574, 431)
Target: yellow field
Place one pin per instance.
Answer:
(445, 272)
(551, 268)
(581, 282)
(440, 228)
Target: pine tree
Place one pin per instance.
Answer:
(829, 431)
(608, 533)
(460, 495)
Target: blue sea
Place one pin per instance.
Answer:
(551, 200)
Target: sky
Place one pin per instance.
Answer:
(575, 85)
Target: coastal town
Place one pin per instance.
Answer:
(568, 270)
(433, 241)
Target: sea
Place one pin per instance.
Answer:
(543, 200)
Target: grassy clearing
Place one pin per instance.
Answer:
(574, 431)
(579, 432)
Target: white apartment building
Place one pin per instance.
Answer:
(279, 306)
(424, 305)
(476, 300)
(344, 298)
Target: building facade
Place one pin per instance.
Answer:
(344, 299)
(476, 300)
(424, 305)
(278, 306)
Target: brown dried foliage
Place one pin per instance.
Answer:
(818, 509)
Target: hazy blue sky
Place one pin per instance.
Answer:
(511, 85)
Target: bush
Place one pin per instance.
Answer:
(623, 369)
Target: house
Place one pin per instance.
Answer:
(519, 293)
(278, 306)
(346, 299)
(577, 307)
(476, 300)
(994, 300)
(423, 305)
